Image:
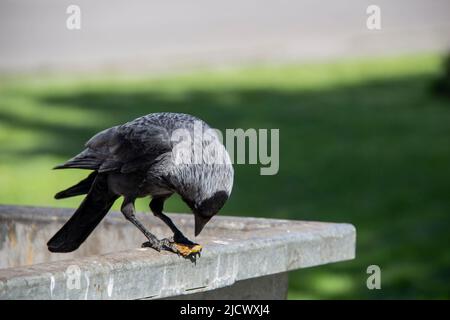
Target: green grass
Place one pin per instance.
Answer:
(363, 142)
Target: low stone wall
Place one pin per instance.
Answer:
(243, 258)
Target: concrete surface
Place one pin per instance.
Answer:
(158, 35)
(111, 264)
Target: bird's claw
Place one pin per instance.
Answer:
(163, 244)
(180, 238)
(154, 245)
(169, 245)
(185, 248)
(179, 245)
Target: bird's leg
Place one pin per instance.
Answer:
(156, 206)
(128, 211)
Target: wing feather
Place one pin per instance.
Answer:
(127, 148)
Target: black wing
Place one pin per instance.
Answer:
(125, 148)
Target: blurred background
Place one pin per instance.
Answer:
(364, 115)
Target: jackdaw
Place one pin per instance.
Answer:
(138, 159)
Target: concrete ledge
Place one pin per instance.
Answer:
(110, 264)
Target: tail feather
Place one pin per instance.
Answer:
(91, 211)
(80, 188)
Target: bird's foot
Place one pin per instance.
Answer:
(183, 249)
(178, 237)
(184, 246)
(156, 245)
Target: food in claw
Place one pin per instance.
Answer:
(188, 249)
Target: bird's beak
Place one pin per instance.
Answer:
(200, 222)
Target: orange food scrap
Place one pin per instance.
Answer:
(188, 249)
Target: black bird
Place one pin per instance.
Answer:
(148, 157)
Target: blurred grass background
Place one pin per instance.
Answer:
(364, 142)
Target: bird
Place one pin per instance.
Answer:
(148, 157)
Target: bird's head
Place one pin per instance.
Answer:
(204, 186)
(204, 210)
(205, 189)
